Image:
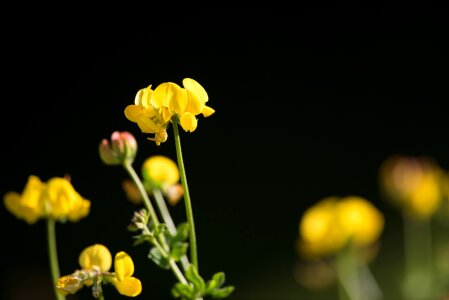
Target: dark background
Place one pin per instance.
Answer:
(309, 101)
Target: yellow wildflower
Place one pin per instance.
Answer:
(95, 256)
(414, 183)
(56, 199)
(330, 224)
(123, 280)
(160, 170)
(153, 109)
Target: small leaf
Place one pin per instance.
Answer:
(141, 239)
(156, 256)
(217, 281)
(184, 291)
(161, 228)
(178, 250)
(195, 278)
(221, 293)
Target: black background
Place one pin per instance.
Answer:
(309, 101)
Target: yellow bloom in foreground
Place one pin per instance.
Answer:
(56, 199)
(331, 223)
(153, 109)
(414, 183)
(123, 280)
(95, 256)
(95, 262)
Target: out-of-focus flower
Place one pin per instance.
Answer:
(95, 262)
(413, 183)
(121, 148)
(161, 172)
(56, 199)
(330, 224)
(153, 109)
(131, 191)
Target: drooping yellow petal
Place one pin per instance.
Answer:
(123, 265)
(96, 255)
(147, 125)
(132, 112)
(12, 201)
(79, 210)
(164, 94)
(188, 122)
(207, 111)
(129, 286)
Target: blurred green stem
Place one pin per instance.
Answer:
(347, 274)
(53, 256)
(419, 270)
(165, 213)
(132, 173)
(187, 202)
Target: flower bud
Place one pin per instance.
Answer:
(121, 148)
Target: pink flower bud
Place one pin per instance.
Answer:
(122, 147)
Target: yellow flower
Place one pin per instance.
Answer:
(148, 118)
(153, 109)
(160, 170)
(319, 229)
(56, 199)
(414, 183)
(362, 221)
(330, 224)
(95, 256)
(123, 280)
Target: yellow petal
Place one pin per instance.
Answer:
(164, 94)
(129, 286)
(123, 265)
(147, 125)
(207, 111)
(96, 255)
(146, 97)
(196, 89)
(178, 103)
(132, 112)
(194, 104)
(13, 204)
(188, 122)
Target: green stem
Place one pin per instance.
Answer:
(165, 213)
(174, 267)
(53, 256)
(187, 202)
(348, 274)
(129, 168)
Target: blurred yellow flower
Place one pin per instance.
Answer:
(153, 109)
(95, 256)
(56, 199)
(330, 224)
(413, 183)
(160, 171)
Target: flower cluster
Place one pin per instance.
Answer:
(55, 199)
(330, 224)
(154, 109)
(95, 262)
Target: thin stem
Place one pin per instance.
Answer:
(53, 256)
(187, 202)
(129, 168)
(348, 274)
(165, 213)
(172, 263)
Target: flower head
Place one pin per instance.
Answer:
(121, 148)
(55, 199)
(95, 262)
(330, 224)
(413, 183)
(153, 109)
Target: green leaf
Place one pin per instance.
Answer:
(141, 239)
(217, 281)
(156, 256)
(184, 291)
(221, 293)
(161, 228)
(195, 278)
(178, 250)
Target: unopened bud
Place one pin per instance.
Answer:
(122, 147)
